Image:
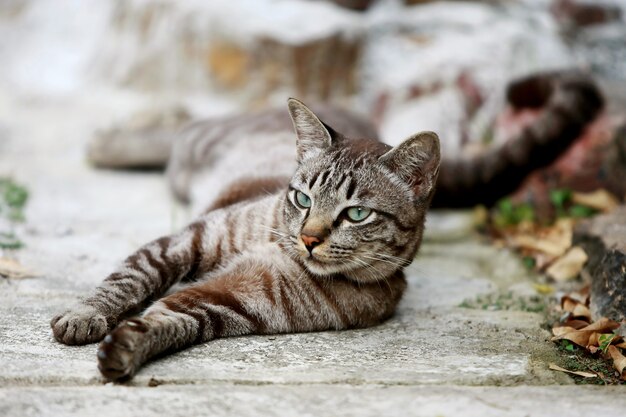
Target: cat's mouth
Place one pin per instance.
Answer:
(317, 259)
(314, 258)
(318, 266)
(317, 262)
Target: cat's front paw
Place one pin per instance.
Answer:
(121, 352)
(79, 326)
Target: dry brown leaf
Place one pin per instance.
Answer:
(592, 336)
(569, 304)
(560, 233)
(538, 244)
(583, 336)
(579, 337)
(561, 330)
(619, 360)
(594, 339)
(603, 325)
(575, 308)
(576, 324)
(582, 311)
(569, 265)
(581, 296)
(600, 200)
(555, 367)
(12, 269)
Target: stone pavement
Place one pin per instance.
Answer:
(433, 358)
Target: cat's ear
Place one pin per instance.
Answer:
(416, 161)
(312, 134)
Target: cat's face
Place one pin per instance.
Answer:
(357, 207)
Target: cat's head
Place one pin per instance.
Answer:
(356, 206)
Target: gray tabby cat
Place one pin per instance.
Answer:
(276, 252)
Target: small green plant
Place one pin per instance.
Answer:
(605, 341)
(508, 213)
(567, 345)
(529, 262)
(579, 211)
(13, 198)
(9, 241)
(559, 198)
(562, 198)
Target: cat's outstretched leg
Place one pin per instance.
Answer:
(145, 275)
(262, 295)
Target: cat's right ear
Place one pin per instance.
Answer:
(416, 161)
(312, 134)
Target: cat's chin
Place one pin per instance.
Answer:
(321, 268)
(326, 269)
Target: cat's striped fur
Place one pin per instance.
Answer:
(258, 261)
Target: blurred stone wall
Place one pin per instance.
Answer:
(408, 65)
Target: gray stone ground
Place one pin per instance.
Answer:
(432, 359)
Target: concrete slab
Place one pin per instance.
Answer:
(418, 346)
(81, 222)
(312, 400)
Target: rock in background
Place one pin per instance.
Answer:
(604, 240)
(252, 49)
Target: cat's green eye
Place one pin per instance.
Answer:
(303, 200)
(358, 214)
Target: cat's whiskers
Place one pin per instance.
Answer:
(349, 266)
(387, 256)
(274, 231)
(376, 274)
(397, 263)
(373, 258)
(380, 277)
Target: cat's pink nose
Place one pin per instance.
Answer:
(310, 241)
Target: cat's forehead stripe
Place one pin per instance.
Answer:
(324, 177)
(340, 181)
(351, 188)
(313, 180)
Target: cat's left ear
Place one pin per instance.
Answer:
(416, 161)
(313, 135)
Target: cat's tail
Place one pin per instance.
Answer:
(568, 101)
